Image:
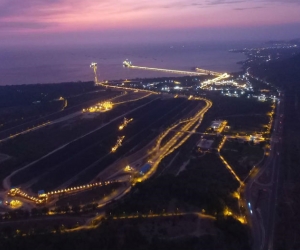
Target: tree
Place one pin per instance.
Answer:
(7, 231)
(76, 209)
(57, 210)
(66, 209)
(94, 206)
(34, 212)
(45, 211)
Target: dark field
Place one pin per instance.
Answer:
(24, 107)
(243, 114)
(242, 157)
(79, 155)
(205, 184)
(31, 146)
(248, 124)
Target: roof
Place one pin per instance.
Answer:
(216, 124)
(145, 168)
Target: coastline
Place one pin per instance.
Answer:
(71, 65)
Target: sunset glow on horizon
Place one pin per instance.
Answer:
(32, 19)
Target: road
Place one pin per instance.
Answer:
(177, 140)
(125, 88)
(262, 218)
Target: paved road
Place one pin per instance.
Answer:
(262, 219)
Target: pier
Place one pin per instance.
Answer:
(198, 72)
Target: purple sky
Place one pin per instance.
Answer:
(94, 21)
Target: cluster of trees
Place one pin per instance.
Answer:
(76, 208)
(207, 186)
(23, 214)
(242, 156)
(34, 212)
(115, 235)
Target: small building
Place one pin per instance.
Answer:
(262, 98)
(215, 125)
(256, 137)
(42, 195)
(13, 203)
(13, 191)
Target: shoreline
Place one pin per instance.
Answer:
(71, 65)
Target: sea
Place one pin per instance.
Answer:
(55, 64)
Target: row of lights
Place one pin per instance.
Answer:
(17, 191)
(80, 187)
(168, 150)
(103, 106)
(117, 87)
(29, 129)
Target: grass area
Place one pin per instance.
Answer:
(4, 157)
(248, 124)
(241, 113)
(242, 156)
(169, 226)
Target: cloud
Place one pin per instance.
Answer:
(250, 8)
(25, 25)
(46, 8)
(223, 2)
(37, 14)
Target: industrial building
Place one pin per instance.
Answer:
(216, 124)
(145, 169)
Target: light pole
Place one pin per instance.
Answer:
(94, 67)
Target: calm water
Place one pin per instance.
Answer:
(58, 64)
